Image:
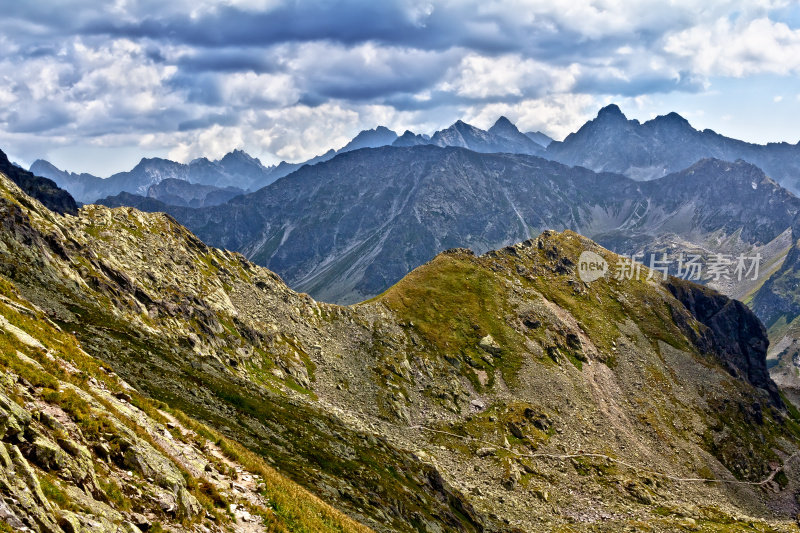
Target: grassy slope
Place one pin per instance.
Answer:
(293, 508)
(453, 302)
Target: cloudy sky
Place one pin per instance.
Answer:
(94, 86)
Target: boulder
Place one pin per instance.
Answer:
(188, 506)
(490, 345)
(485, 452)
(47, 454)
(13, 418)
(142, 458)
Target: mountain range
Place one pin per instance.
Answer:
(236, 170)
(611, 142)
(491, 393)
(346, 229)
(350, 224)
(239, 171)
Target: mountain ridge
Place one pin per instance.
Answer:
(666, 144)
(617, 198)
(609, 142)
(40, 188)
(369, 233)
(480, 393)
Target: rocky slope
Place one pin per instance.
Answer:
(347, 229)
(42, 189)
(491, 393)
(81, 450)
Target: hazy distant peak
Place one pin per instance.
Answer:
(671, 118)
(611, 111)
(380, 136)
(542, 139)
(239, 155)
(505, 128)
(503, 122)
(42, 164)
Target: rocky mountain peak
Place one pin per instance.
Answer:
(374, 138)
(503, 123)
(675, 117)
(505, 128)
(152, 163)
(43, 165)
(463, 127)
(611, 111)
(409, 138)
(239, 156)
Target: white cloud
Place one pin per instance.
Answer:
(547, 65)
(738, 49)
(510, 75)
(294, 133)
(557, 116)
(249, 89)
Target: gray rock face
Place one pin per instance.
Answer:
(734, 333)
(182, 193)
(664, 145)
(235, 170)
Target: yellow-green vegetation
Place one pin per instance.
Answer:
(453, 302)
(294, 509)
(601, 306)
(457, 299)
(64, 376)
(51, 487)
(494, 375)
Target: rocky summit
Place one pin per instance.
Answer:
(668, 143)
(151, 382)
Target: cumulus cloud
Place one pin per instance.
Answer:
(289, 79)
(482, 77)
(738, 48)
